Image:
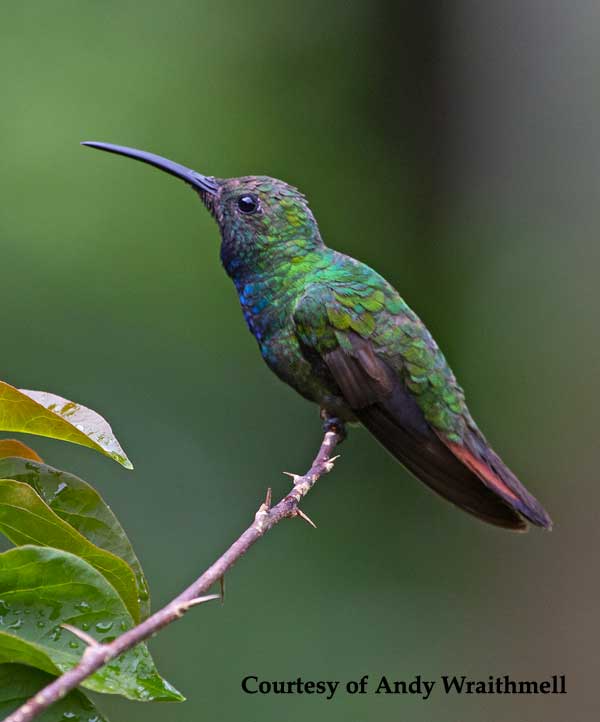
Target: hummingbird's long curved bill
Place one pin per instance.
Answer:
(197, 180)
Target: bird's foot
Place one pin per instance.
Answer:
(334, 423)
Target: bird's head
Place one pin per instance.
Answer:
(261, 219)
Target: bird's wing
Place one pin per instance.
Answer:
(387, 367)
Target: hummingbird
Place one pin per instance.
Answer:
(342, 336)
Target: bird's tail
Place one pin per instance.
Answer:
(479, 483)
(478, 456)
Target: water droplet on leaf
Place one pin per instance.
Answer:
(104, 626)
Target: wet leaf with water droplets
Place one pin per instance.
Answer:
(53, 584)
(80, 505)
(26, 519)
(19, 683)
(44, 414)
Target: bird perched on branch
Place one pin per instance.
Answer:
(342, 336)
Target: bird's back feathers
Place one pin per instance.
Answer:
(396, 381)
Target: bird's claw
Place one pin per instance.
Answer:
(335, 424)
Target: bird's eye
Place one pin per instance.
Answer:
(248, 203)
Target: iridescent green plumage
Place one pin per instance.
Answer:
(342, 336)
(297, 293)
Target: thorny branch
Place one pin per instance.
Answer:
(97, 655)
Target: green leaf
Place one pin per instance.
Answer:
(42, 588)
(13, 447)
(80, 505)
(19, 684)
(26, 519)
(44, 414)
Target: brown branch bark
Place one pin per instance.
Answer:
(97, 655)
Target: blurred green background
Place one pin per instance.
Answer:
(452, 146)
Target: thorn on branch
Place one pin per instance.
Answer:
(268, 498)
(328, 466)
(80, 634)
(222, 589)
(183, 607)
(296, 477)
(262, 515)
(302, 515)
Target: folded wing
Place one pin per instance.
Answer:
(461, 468)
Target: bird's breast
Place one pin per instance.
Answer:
(267, 307)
